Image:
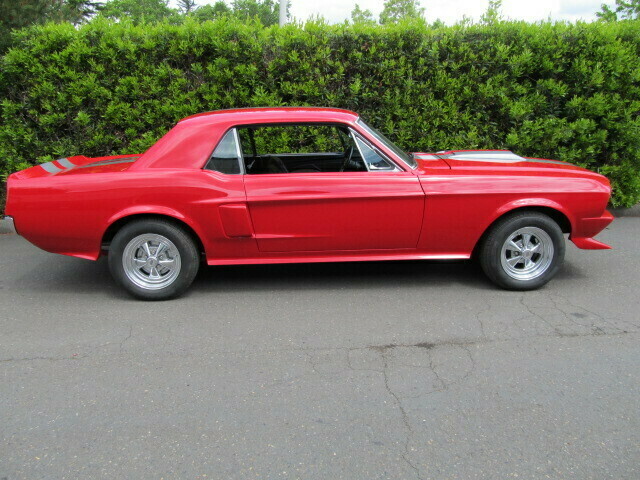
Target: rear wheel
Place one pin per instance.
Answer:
(153, 259)
(523, 251)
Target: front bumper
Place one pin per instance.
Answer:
(589, 228)
(8, 225)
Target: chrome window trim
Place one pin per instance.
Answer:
(236, 136)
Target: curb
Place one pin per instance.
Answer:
(626, 212)
(4, 228)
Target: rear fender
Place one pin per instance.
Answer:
(155, 210)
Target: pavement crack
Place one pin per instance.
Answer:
(479, 314)
(597, 330)
(438, 377)
(473, 364)
(49, 359)
(403, 413)
(311, 360)
(463, 343)
(555, 328)
(126, 339)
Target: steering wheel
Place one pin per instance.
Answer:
(348, 154)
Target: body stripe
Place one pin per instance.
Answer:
(65, 163)
(504, 160)
(540, 160)
(494, 156)
(109, 162)
(50, 167)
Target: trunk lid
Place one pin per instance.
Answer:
(78, 165)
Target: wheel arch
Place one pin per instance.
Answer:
(553, 212)
(115, 225)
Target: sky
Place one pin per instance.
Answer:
(451, 11)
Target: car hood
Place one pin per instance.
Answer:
(499, 162)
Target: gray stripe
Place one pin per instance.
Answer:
(489, 160)
(497, 156)
(484, 152)
(110, 162)
(540, 160)
(65, 163)
(504, 160)
(50, 167)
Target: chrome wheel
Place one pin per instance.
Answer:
(527, 253)
(151, 261)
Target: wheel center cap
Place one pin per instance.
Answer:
(526, 254)
(152, 262)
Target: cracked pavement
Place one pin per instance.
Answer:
(402, 370)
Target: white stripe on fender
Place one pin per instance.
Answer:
(65, 163)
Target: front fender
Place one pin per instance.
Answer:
(533, 203)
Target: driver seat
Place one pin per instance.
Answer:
(274, 165)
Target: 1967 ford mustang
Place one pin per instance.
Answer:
(283, 185)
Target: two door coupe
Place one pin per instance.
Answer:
(284, 185)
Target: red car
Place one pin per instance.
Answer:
(285, 185)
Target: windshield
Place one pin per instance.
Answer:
(408, 159)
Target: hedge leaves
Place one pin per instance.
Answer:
(570, 92)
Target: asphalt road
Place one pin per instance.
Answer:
(402, 370)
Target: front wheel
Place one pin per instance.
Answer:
(523, 251)
(153, 259)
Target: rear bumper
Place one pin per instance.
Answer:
(589, 228)
(8, 225)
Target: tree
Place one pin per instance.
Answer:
(16, 14)
(267, 11)
(209, 12)
(493, 14)
(140, 11)
(396, 10)
(74, 11)
(186, 6)
(624, 10)
(362, 16)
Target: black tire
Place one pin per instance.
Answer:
(182, 275)
(491, 253)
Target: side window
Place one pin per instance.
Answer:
(372, 158)
(224, 158)
(299, 148)
(290, 139)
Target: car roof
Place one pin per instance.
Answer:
(274, 114)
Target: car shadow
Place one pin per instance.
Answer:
(58, 274)
(331, 276)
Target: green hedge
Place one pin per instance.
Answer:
(562, 91)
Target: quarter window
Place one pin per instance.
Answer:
(372, 158)
(225, 158)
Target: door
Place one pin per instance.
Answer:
(324, 188)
